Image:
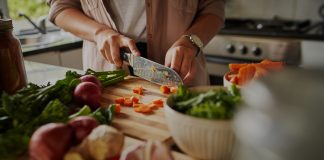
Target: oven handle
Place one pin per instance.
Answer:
(226, 60)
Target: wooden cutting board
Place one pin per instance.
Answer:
(137, 125)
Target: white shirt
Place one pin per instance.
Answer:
(130, 18)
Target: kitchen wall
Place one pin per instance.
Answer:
(291, 9)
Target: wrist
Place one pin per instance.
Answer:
(184, 41)
(101, 30)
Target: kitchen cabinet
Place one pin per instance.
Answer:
(69, 58)
(52, 58)
(72, 59)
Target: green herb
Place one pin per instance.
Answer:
(22, 113)
(213, 104)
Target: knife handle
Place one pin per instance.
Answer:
(123, 55)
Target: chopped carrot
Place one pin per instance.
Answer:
(234, 79)
(128, 102)
(259, 72)
(235, 67)
(246, 73)
(158, 102)
(119, 100)
(134, 99)
(143, 109)
(135, 105)
(270, 65)
(117, 108)
(138, 90)
(173, 89)
(165, 89)
(152, 106)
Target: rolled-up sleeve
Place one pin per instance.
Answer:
(57, 6)
(216, 7)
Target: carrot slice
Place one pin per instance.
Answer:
(152, 106)
(234, 79)
(134, 99)
(246, 74)
(270, 65)
(165, 89)
(259, 72)
(117, 108)
(158, 102)
(119, 100)
(138, 90)
(235, 67)
(128, 102)
(143, 109)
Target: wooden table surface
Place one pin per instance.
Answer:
(137, 127)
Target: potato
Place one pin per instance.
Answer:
(82, 127)
(73, 155)
(50, 142)
(104, 142)
(153, 150)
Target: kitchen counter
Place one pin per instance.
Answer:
(137, 128)
(39, 73)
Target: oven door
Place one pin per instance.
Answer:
(217, 66)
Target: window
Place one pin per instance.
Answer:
(32, 8)
(3, 7)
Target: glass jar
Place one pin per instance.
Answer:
(12, 69)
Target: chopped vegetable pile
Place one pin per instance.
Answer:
(22, 113)
(213, 104)
(241, 73)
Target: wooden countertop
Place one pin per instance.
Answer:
(137, 127)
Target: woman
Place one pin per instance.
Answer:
(174, 31)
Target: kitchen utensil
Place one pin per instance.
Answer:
(152, 71)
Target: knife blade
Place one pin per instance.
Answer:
(152, 71)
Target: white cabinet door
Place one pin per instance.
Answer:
(72, 59)
(52, 58)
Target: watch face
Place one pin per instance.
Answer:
(197, 41)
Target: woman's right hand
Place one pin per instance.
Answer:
(109, 43)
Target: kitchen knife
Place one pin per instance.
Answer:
(152, 71)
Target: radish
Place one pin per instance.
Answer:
(91, 78)
(50, 142)
(87, 93)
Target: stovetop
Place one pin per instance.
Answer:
(276, 27)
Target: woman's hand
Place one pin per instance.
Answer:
(181, 58)
(109, 43)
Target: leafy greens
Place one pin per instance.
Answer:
(213, 104)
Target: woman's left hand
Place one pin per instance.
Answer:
(181, 58)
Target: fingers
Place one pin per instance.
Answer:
(191, 74)
(115, 51)
(130, 43)
(109, 45)
(177, 58)
(186, 64)
(105, 51)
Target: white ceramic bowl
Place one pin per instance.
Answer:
(199, 137)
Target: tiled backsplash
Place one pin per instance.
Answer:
(290, 9)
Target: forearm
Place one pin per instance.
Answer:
(205, 27)
(74, 21)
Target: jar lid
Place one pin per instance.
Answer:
(5, 24)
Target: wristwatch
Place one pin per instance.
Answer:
(195, 40)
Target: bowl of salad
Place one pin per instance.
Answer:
(200, 120)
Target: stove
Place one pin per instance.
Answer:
(275, 27)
